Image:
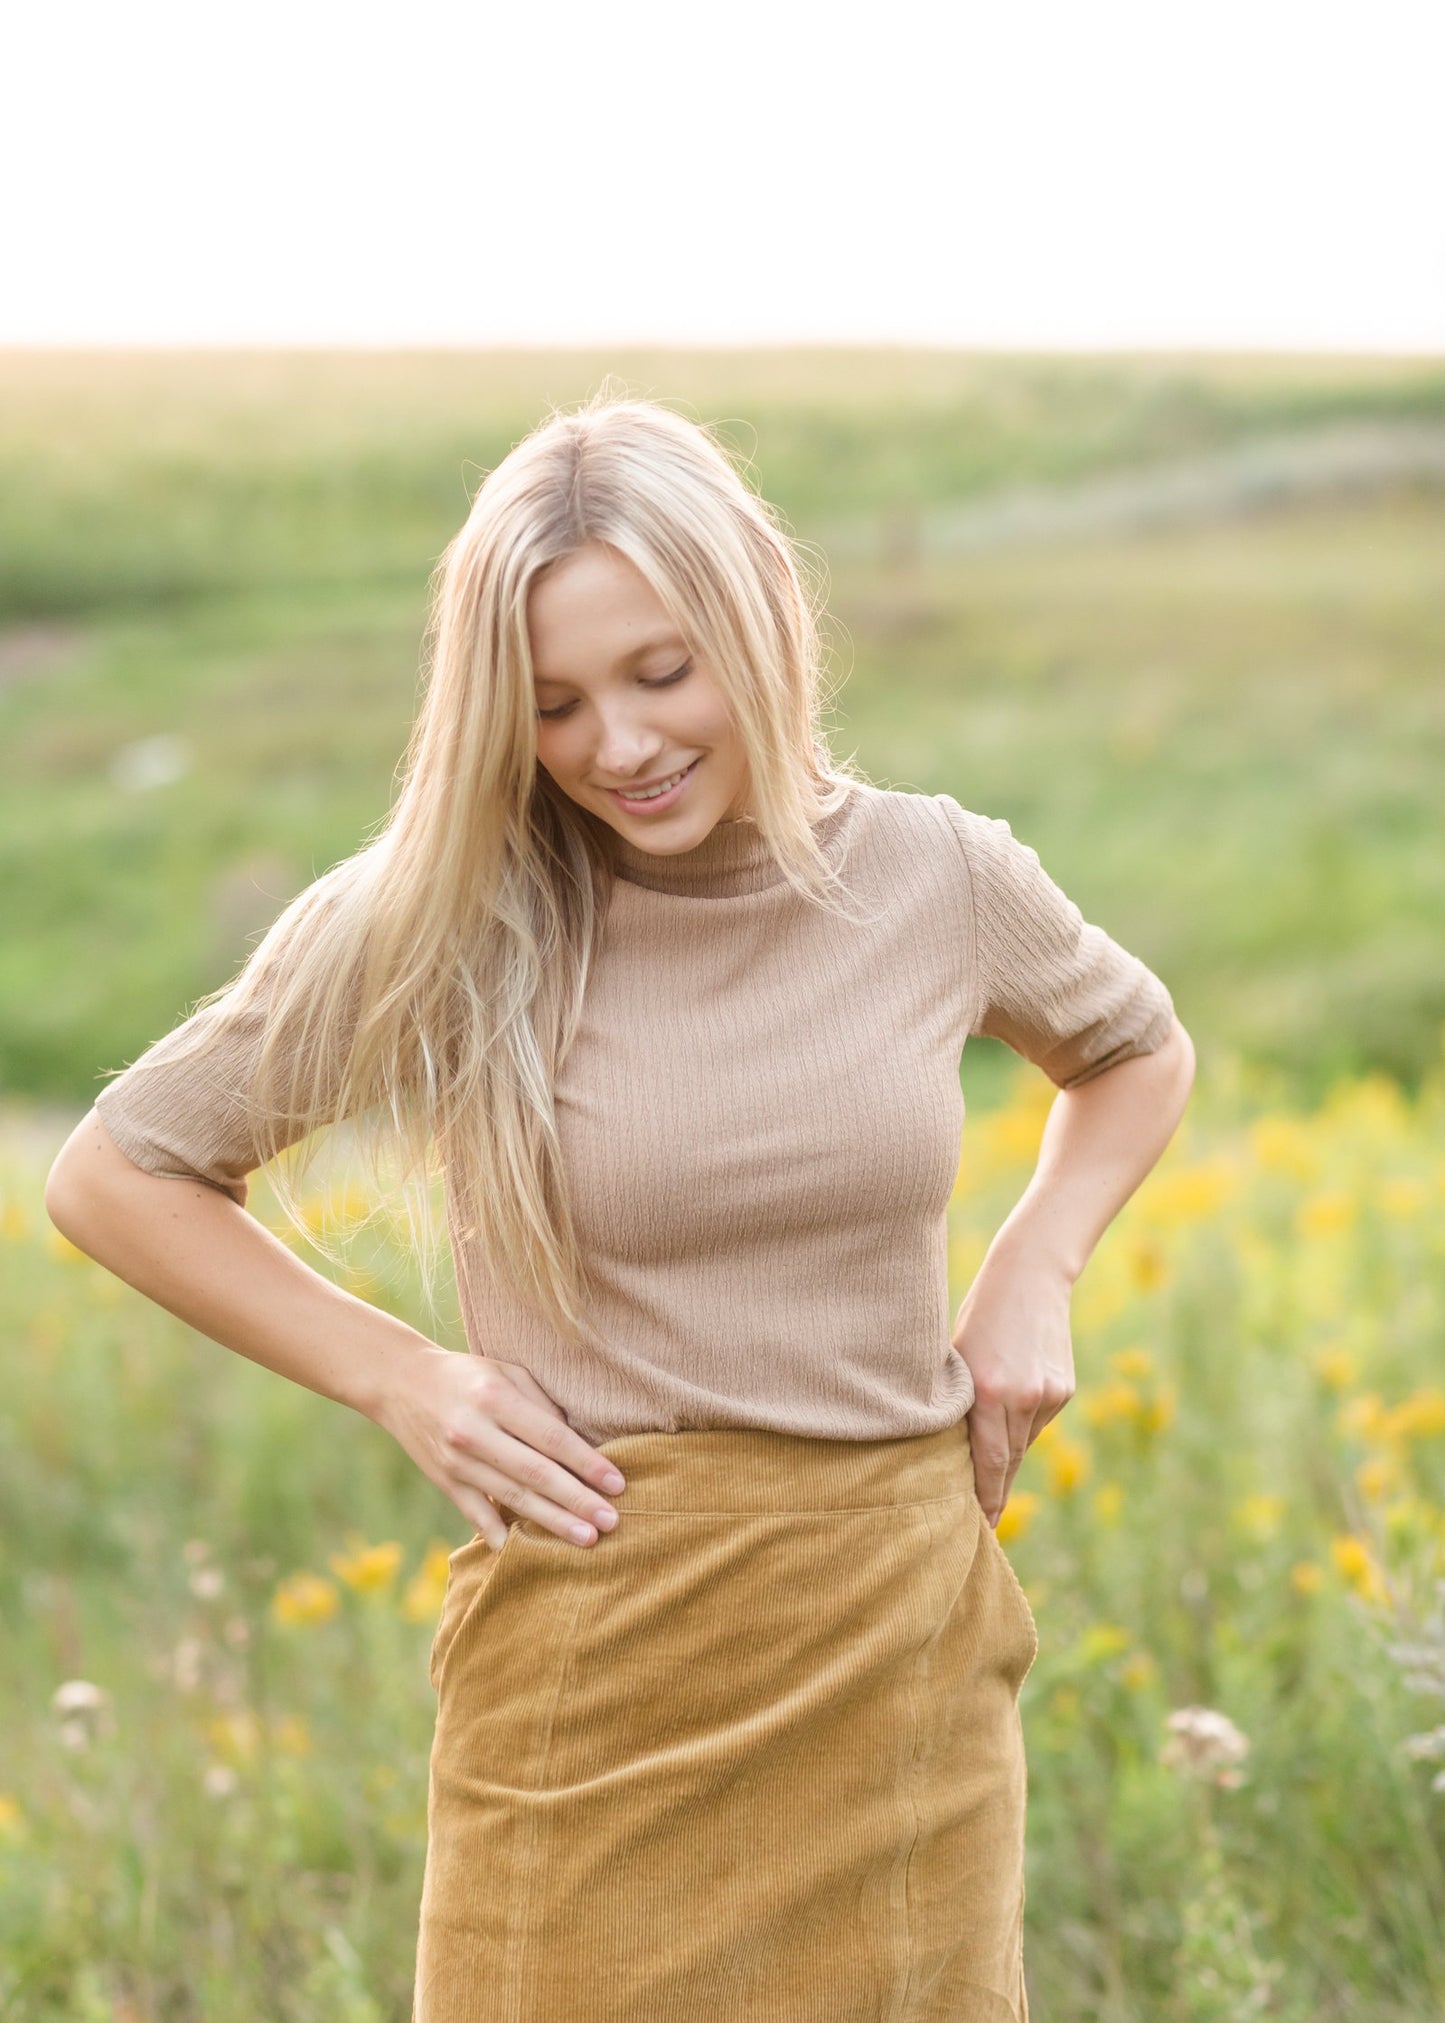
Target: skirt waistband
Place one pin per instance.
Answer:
(741, 1468)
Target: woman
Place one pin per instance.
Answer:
(728, 1674)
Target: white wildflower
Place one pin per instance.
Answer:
(1205, 1743)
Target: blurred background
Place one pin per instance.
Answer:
(1098, 356)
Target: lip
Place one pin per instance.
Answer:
(662, 802)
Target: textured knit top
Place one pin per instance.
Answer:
(761, 1117)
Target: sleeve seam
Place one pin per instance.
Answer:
(975, 1006)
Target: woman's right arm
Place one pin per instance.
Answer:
(477, 1428)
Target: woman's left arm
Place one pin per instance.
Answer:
(1099, 1142)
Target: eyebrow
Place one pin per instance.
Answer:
(637, 653)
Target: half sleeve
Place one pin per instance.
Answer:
(1049, 984)
(181, 1113)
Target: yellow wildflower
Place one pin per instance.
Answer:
(1305, 1577)
(966, 1251)
(1132, 1363)
(1138, 1671)
(1407, 1518)
(12, 1819)
(1402, 1199)
(1109, 1502)
(1364, 1416)
(1110, 1403)
(1159, 1412)
(1068, 1466)
(1417, 1417)
(1353, 1559)
(1336, 1368)
(1193, 1194)
(427, 1588)
(1148, 1266)
(291, 1736)
(234, 1736)
(350, 1208)
(1099, 1300)
(312, 1212)
(367, 1567)
(1016, 1515)
(1009, 1136)
(1374, 1102)
(1260, 1514)
(305, 1598)
(1101, 1641)
(1283, 1144)
(1378, 1476)
(1329, 1213)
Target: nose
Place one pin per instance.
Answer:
(625, 746)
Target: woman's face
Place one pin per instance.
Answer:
(621, 703)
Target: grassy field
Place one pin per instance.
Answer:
(1224, 737)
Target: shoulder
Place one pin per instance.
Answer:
(919, 829)
(903, 817)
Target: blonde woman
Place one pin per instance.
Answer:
(727, 1674)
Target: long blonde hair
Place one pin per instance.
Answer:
(429, 986)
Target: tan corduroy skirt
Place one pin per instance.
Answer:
(754, 1754)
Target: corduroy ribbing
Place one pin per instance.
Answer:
(762, 1760)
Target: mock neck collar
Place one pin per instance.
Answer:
(731, 860)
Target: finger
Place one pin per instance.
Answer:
(579, 1524)
(988, 1442)
(503, 1404)
(483, 1515)
(530, 1482)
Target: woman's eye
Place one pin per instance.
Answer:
(668, 679)
(665, 681)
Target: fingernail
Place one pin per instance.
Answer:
(613, 1481)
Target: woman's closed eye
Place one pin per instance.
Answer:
(665, 681)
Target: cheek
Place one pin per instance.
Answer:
(555, 749)
(710, 722)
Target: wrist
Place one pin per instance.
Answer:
(388, 1356)
(1037, 1241)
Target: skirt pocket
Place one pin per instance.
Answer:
(1028, 1628)
(471, 1570)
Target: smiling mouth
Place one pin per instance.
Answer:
(656, 789)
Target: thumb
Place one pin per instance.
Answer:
(988, 1446)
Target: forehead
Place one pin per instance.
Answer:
(593, 611)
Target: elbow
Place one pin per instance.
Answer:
(1176, 1057)
(1177, 1038)
(68, 1185)
(78, 1189)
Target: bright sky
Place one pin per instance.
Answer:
(1031, 174)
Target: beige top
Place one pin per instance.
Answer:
(761, 1118)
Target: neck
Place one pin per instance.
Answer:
(733, 859)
